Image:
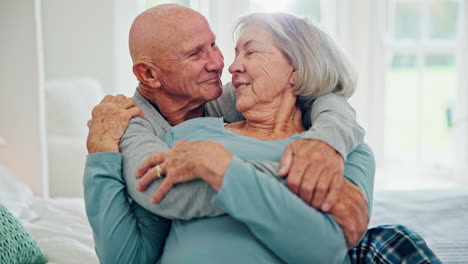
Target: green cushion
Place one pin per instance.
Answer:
(16, 244)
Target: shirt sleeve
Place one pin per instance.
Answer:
(332, 120)
(296, 232)
(124, 232)
(185, 201)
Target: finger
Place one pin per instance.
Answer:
(294, 182)
(136, 111)
(309, 180)
(149, 163)
(149, 177)
(322, 187)
(106, 99)
(127, 103)
(118, 98)
(285, 162)
(296, 174)
(333, 193)
(162, 190)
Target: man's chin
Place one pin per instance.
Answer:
(215, 91)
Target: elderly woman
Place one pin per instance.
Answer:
(266, 222)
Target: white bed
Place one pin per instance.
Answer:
(59, 225)
(62, 230)
(439, 216)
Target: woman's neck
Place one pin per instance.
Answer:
(277, 120)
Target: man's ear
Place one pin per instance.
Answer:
(146, 73)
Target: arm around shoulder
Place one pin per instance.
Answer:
(185, 201)
(332, 120)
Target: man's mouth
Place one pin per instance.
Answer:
(212, 80)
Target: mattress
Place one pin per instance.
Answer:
(62, 231)
(440, 217)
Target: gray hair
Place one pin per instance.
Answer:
(321, 65)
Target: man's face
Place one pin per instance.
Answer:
(191, 63)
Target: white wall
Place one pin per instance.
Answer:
(21, 93)
(78, 40)
(124, 13)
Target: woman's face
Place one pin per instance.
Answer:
(260, 72)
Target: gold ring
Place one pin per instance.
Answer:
(158, 171)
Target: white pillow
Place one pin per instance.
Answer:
(69, 104)
(16, 196)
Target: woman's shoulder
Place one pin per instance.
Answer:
(198, 123)
(189, 129)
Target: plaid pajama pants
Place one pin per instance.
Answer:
(391, 244)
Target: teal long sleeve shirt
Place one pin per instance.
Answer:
(266, 222)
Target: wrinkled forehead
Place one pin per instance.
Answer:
(186, 33)
(254, 34)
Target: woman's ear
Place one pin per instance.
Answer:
(146, 73)
(293, 79)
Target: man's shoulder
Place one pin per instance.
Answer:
(153, 119)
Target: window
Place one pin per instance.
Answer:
(420, 43)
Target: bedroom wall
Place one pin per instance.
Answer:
(21, 93)
(78, 40)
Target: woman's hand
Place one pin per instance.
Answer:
(185, 161)
(315, 172)
(109, 121)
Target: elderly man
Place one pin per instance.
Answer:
(178, 66)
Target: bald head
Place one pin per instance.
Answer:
(157, 29)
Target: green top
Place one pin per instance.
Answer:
(266, 222)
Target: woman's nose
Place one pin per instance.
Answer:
(236, 66)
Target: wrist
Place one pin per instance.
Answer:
(219, 167)
(95, 147)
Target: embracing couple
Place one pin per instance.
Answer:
(270, 168)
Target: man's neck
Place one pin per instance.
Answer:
(175, 109)
(175, 117)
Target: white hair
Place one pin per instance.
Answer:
(321, 65)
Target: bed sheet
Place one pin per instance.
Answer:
(62, 231)
(440, 217)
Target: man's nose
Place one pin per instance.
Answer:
(215, 60)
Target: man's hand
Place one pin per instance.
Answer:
(350, 212)
(109, 121)
(315, 172)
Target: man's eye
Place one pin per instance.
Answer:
(249, 53)
(194, 53)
